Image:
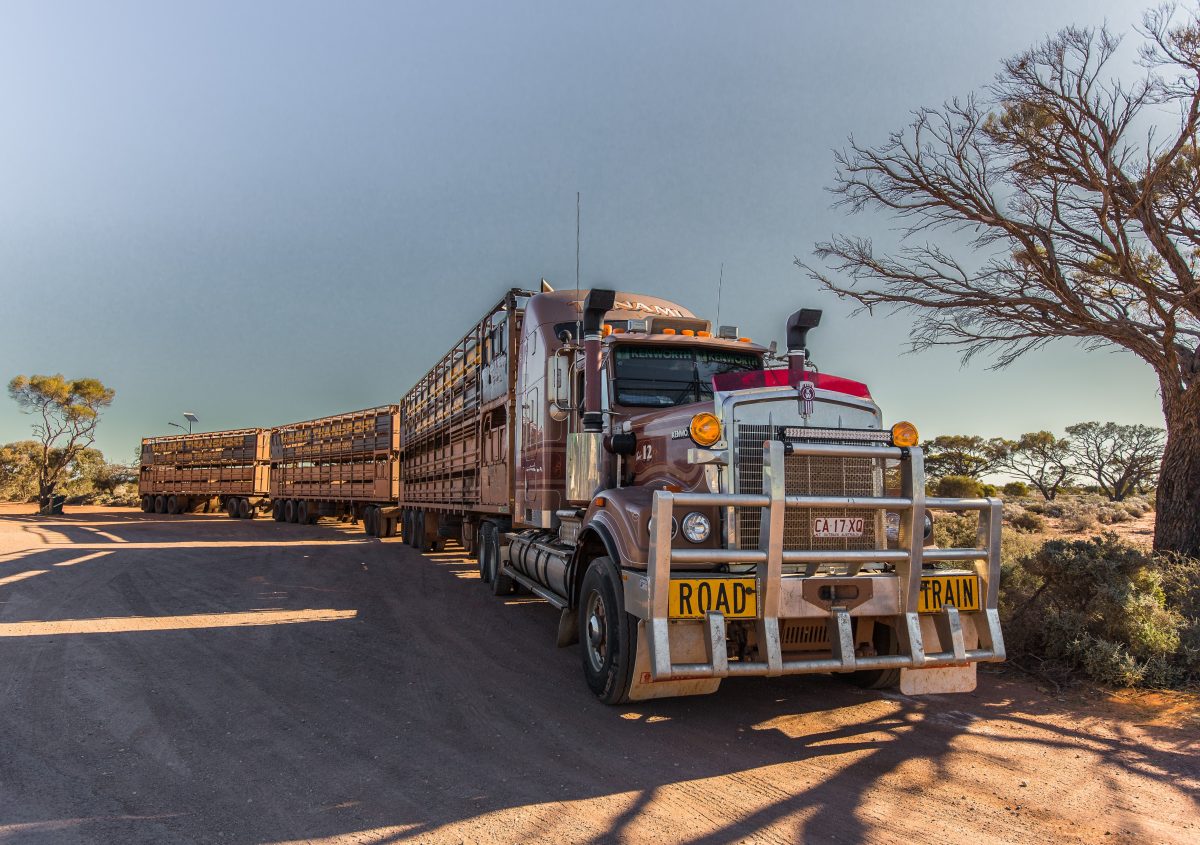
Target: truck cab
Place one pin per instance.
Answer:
(697, 510)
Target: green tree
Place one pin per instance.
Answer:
(1121, 458)
(66, 414)
(1040, 458)
(19, 471)
(960, 454)
(1079, 194)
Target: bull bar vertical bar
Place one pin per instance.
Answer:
(770, 557)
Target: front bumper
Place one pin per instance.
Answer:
(892, 597)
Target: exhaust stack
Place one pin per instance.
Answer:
(798, 326)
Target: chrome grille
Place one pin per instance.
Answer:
(809, 476)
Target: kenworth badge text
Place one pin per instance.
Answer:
(692, 512)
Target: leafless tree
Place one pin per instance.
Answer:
(1121, 458)
(1075, 199)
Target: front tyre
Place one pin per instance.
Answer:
(607, 634)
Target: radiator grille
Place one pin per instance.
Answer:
(809, 476)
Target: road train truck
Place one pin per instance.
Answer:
(695, 506)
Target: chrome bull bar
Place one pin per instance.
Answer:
(770, 558)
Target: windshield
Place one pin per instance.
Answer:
(662, 376)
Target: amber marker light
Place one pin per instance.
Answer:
(705, 429)
(904, 434)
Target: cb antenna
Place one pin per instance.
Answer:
(720, 284)
(577, 244)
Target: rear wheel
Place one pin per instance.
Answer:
(608, 635)
(245, 509)
(289, 510)
(231, 508)
(160, 504)
(302, 514)
(886, 642)
(147, 504)
(371, 521)
(277, 512)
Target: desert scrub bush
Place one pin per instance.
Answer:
(1136, 508)
(1181, 586)
(1098, 608)
(1077, 520)
(1110, 515)
(1023, 520)
(951, 530)
(958, 487)
(1015, 488)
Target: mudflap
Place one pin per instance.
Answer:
(941, 679)
(687, 646)
(938, 679)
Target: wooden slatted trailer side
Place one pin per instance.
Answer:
(456, 437)
(206, 471)
(344, 466)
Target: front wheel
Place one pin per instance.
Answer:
(886, 642)
(607, 634)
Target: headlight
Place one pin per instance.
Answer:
(674, 527)
(696, 527)
(904, 434)
(705, 429)
(928, 525)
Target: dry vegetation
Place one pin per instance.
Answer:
(1083, 597)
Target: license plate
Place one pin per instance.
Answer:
(837, 526)
(691, 598)
(937, 591)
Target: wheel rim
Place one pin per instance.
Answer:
(597, 631)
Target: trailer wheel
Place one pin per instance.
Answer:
(371, 521)
(147, 504)
(231, 508)
(417, 538)
(885, 642)
(245, 509)
(160, 504)
(302, 515)
(289, 510)
(277, 510)
(608, 635)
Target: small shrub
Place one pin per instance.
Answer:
(1015, 488)
(1101, 608)
(1029, 523)
(1112, 515)
(959, 487)
(1079, 521)
(955, 530)
(1054, 510)
(988, 489)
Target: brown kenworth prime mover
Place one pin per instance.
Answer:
(214, 470)
(692, 513)
(343, 466)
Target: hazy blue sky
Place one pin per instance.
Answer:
(265, 212)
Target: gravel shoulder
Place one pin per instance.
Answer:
(201, 679)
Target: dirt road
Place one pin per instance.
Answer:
(201, 679)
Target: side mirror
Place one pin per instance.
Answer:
(558, 386)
